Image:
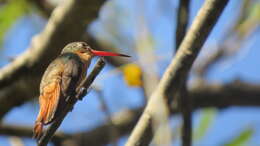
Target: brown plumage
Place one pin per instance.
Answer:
(60, 80)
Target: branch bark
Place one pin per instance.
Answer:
(184, 102)
(27, 131)
(20, 79)
(177, 71)
(46, 10)
(182, 21)
(229, 44)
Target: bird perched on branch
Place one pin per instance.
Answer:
(61, 79)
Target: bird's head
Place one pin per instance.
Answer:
(83, 49)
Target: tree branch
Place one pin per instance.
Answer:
(26, 131)
(177, 71)
(202, 95)
(185, 106)
(20, 79)
(44, 6)
(85, 84)
(182, 21)
(46, 10)
(184, 102)
(224, 50)
(113, 136)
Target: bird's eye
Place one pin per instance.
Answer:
(83, 44)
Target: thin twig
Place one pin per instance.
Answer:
(184, 102)
(79, 95)
(186, 109)
(177, 71)
(202, 69)
(113, 130)
(182, 22)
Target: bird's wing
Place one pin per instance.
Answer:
(59, 81)
(73, 73)
(49, 95)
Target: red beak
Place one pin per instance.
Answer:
(104, 53)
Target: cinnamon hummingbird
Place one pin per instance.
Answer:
(61, 79)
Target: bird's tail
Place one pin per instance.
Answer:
(37, 131)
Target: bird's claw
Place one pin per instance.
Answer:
(82, 91)
(67, 98)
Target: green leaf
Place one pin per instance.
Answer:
(242, 138)
(9, 13)
(208, 115)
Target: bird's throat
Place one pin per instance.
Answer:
(85, 58)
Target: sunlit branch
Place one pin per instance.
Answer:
(177, 71)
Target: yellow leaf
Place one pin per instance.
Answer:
(132, 75)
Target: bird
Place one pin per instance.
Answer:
(60, 80)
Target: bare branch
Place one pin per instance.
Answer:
(46, 10)
(236, 93)
(204, 66)
(184, 102)
(26, 131)
(185, 106)
(85, 84)
(44, 6)
(20, 79)
(123, 121)
(225, 49)
(177, 71)
(113, 131)
(182, 21)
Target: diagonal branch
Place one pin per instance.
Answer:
(113, 130)
(229, 45)
(44, 6)
(85, 84)
(177, 71)
(20, 79)
(46, 9)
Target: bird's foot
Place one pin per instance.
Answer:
(81, 93)
(67, 98)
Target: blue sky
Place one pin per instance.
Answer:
(159, 19)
